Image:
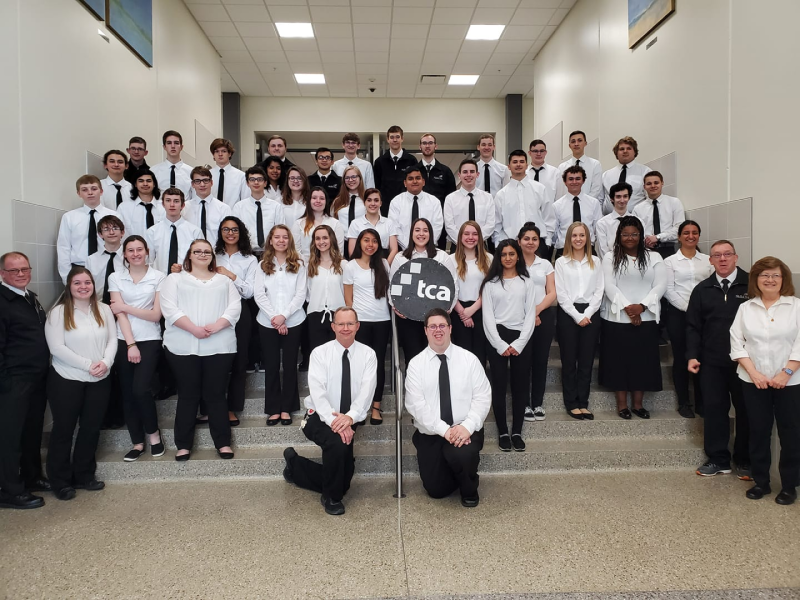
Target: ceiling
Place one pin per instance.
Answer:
(386, 45)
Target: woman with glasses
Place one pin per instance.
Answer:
(635, 279)
(325, 289)
(201, 308)
(373, 219)
(349, 204)
(316, 214)
(276, 178)
(295, 195)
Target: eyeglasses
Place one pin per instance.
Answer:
(351, 143)
(295, 179)
(202, 181)
(427, 143)
(723, 255)
(110, 229)
(256, 179)
(16, 272)
(352, 178)
(202, 252)
(773, 276)
(230, 230)
(440, 327)
(134, 149)
(324, 158)
(348, 324)
(629, 235)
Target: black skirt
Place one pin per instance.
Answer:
(629, 357)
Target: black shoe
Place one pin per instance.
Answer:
(183, 457)
(757, 492)
(21, 501)
(199, 421)
(517, 443)
(505, 442)
(662, 341)
(225, 455)
(331, 507)
(625, 413)
(288, 471)
(373, 420)
(234, 422)
(39, 485)
(66, 493)
(577, 415)
(471, 502)
(302, 367)
(90, 486)
(133, 455)
(165, 392)
(271, 422)
(286, 421)
(786, 497)
(158, 449)
(641, 413)
(686, 412)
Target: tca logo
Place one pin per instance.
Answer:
(433, 292)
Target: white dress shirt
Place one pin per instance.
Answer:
(539, 270)
(670, 213)
(369, 308)
(591, 213)
(367, 174)
(549, 177)
(470, 392)
(204, 303)
(109, 199)
(770, 337)
(216, 212)
(159, 236)
(302, 240)
(520, 202)
(72, 244)
(499, 176)
(325, 291)
(630, 286)
(235, 188)
(282, 293)
(634, 176)
(456, 212)
(606, 233)
(385, 227)
(97, 264)
(138, 295)
(134, 216)
(76, 350)
(469, 287)
(512, 304)
(273, 193)
(429, 208)
(442, 257)
(293, 211)
(271, 215)
(344, 213)
(325, 380)
(578, 283)
(593, 186)
(244, 267)
(183, 176)
(683, 274)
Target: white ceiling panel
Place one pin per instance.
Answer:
(330, 14)
(406, 57)
(519, 46)
(409, 32)
(258, 44)
(227, 43)
(252, 2)
(290, 14)
(451, 16)
(333, 30)
(372, 14)
(492, 16)
(448, 32)
(256, 30)
(261, 56)
(299, 44)
(209, 12)
(533, 16)
(274, 68)
(540, 3)
(341, 57)
(247, 13)
(417, 15)
(218, 29)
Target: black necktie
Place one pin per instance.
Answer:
(92, 232)
(32, 301)
(148, 220)
(414, 211)
(487, 184)
(203, 218)
(445, 403)
(578, 162)
(576, 209)
(725, 288)
(623, 173)
(536, 172)
(344, 403)
(173, 249)
(221, 185)
(656, 219)
(471, 206)
(428, 168)
(119, 194)
(259, 225)
(322, 179)
(349, 162)
(351, 212)
(394, 158)
(109, 271)
(172, 176)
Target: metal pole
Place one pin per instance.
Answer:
(398, 415)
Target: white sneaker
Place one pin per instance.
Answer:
(529, 414)
(538, 413)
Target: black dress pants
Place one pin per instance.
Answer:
(520, 382)
(23, 399)
(135, 378)
(236, 384)
(376, 334)
(254, 354)
(721, 387)
(676, 327)
(332, 477)
(781, 407)
(280, 398)
(319, 330)
(471, 338)
(577, 346)
(74, 403)
(411, 337)
(203, 377)
(540, 343)
(444, 468)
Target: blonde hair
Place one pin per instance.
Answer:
(568, 242)
(293, 260)
(480, 252)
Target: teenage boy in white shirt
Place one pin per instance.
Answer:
(351, 144)
(498, 173)
(173, 172)
(170, 239)
(606, 228)
(457, 204)
(542, 172)
(593, 186)
(112, 230)
(230, 185)
(567, 209)
(204, 210)
(627, 171)
(116, 189)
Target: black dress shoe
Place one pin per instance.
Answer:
(21, 501)
(286, 421)
(225, 455)
(517, 443)
(757, 492)
(234, 422)
(65, 493)
(133, 455)
(165, 392)
(471, 502)
(686, 412)
(90, 486)
(505, 443)
(332, 507)
(641, 413)
(577, 415)
(373, 420)
(183, 457)
(786, 497)
(288, 471)
(625, 413)
(271, 422)
(587, 416)
(199, 421)
(39, 485)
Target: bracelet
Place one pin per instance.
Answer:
(131, 345)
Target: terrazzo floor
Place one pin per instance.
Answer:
(566, 536)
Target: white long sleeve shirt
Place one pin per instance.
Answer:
(302, 240)
(470, 392)
(520, 202)
(244, 267)
(429, 208)
(282, 293)
(325, 380)
(344, 213)
(271, 215)
(325, 291)
(183, 176)
(512, 304)
(591, 213)
(456, 212)
(670, 213)
(216, 212)
(97, 264)
(159, 237)
(499, 176)
(72, 244)
(683, 274)
(631, 286)
(578, 283)
(634, 176)
(134, 215)
(138, 295)
(593, 186)
(367, 174)
(75, 351)
(606, 233)
(235, 188)
(549, 177)
(109, 198)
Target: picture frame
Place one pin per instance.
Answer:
(96, 7)
(132, 22)
(644, 16)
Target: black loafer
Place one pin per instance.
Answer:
(577, 415)
(225, 455)
(686, 412)
(505, 443)
(470, 502)
(625, 413)
(183, 457)
(517, 443)
(331, 507)
(271, 422)
(641, 413)
(588, 416)
(65, 493)
(286, 421)
(757, 492)
(39, 485)
(90, 486)
(133, 455)
(786, 497)
(234, 422)
(288, 471)
(22, 501)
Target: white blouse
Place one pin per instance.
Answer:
(344, 213)
(469, 287)
(683, 274)
(369, 308)
(539, 270)
(770, 337)
(203, 303)
(293, 211)
(244, 267)
(138, 295)
(630, 286)
(302, 240)
(76, 350)
(325, 291)
(282, 293)
(386, 228)
(578, 283)
(510, 303)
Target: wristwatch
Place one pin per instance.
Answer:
(788, 371)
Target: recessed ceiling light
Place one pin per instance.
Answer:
(295, 30)
(463, 79)
(309, 77)
(485, 32)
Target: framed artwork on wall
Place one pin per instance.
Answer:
(132, 22)
(96, 7)
(644, 16)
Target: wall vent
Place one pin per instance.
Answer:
(433, 79)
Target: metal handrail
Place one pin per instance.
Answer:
(397, 382)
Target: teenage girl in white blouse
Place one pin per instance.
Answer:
(349, 204)
(316, 214)
(373, 219)
(295, 194)
(325, 289)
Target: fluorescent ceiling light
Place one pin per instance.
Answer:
(485, 32)
(295, 30)
(463, 79)
(309, 77)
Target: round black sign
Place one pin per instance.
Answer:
(420, 285)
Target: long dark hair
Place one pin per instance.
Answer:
(315, 255)
(380, 277)
(156, 190)
(430, 247)
(243, 245)
(308, 215)
(496, 268)
(281, 178)
(642, 257)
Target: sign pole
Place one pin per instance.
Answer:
(397, 379)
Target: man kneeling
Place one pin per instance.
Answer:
(448, 395)
(342, 376)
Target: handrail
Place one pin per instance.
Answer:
(397, 381)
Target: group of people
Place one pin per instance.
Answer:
(186, 278)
